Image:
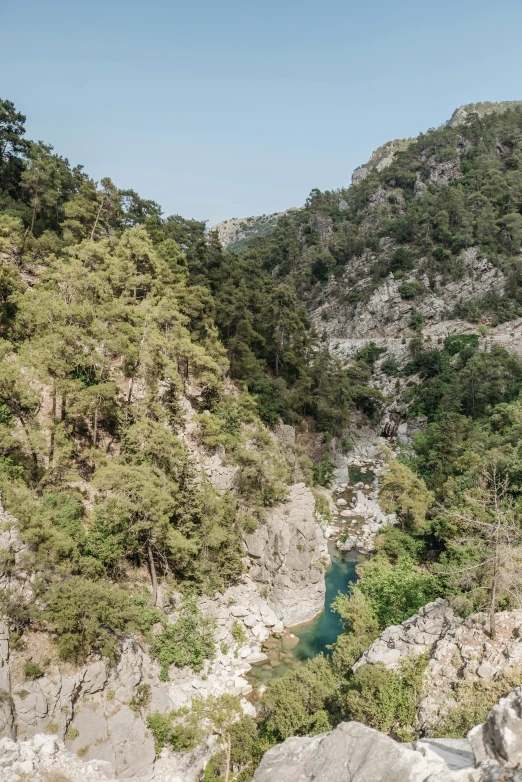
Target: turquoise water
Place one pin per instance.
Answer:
(316, 636)
(363, 474)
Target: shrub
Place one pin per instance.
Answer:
(390, 366)
(189, 641)
(297, 703)
(416, 321)
(89, 617)
(411, 289)
(323, 472)
(322, 507)
(141, 698)
(238, 632)
(32, 670)
(386, 700)
(396, 591)
(474, 699)
(370, 353)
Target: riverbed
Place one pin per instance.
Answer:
(297, 645)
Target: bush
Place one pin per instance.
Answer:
(396, 591)
(189, 641)
(297, 704)
(416, 321)
(386, 700)
(88, 617)
(141, 698)
(370, 353)
(238, 633)
(409, 290)
(323, 472)
(32, 670)
(390, 366)
(474, 699)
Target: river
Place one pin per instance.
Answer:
(303, 642)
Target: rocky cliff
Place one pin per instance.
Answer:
(235, 233)
(459, 651)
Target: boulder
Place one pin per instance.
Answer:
(350, 753)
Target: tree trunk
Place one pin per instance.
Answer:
(33, 219)
(64, 407)
(493, 601)
(153, 576)
(53, 424)
(227, 758)
(23, 241)
(96, 221)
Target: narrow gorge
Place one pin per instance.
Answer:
(261, 504)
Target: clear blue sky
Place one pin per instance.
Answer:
(228, 109)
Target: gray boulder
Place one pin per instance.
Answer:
(350, 753)
(413, 637)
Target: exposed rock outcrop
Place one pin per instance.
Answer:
(380, 159)
(234, 232)
(459, 651)
(461, 115)
(289, 554)
(92, 710)
(355, 753)
(387, 314)
(6, 700)
(351, 753)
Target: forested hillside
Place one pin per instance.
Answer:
(135, 352)
(453, 188)
(114, 319)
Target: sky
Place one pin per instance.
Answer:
(230, 109)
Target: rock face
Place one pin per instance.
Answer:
(459, 650)
(289, 555)
(43, 758)
(413, 637)
(380, 159)
(462, 114)
(350, 753)
(92, 710)
(6, 701)
(234, 232)
(499, 739)
(387, 314)
(355, 753)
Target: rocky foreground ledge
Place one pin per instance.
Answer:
(354, 753)
(350, 753)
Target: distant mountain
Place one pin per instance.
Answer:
(235, 233)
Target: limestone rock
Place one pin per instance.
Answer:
(289, 553)
(458, 650)
(6, 702)
(413, 637)
(350, 753)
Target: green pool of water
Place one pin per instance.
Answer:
(316, 636)
(363, 474)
